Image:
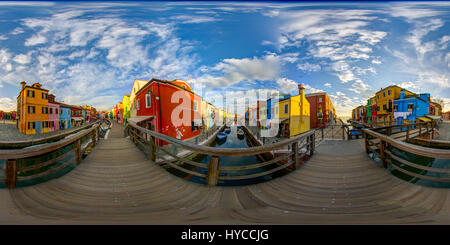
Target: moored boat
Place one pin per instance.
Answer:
(240, 133)
(221, 136)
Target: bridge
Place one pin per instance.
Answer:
(117, 183)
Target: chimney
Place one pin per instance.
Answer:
(23, 83)
(301, 89)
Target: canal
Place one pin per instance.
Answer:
(232, 141)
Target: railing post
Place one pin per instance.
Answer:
(295, 156)
(11, 173)
(427, 129)
(382, 153)
(322, 133)
(312, 143)
(213, 171)
(152, 148)
(366, 142)
(78, 151)
(432, 129)
(135, 136)
(94, 138)
(407, 132)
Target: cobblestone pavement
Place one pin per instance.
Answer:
(9, 132)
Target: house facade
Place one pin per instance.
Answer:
(322, 110)
(170, 108)
(407, 109)
(385, 103)
(65, 116)
(32, 109)
(294, 114)
(53, 114)
(126, 107)
(137, 85)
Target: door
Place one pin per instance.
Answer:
(38, 127)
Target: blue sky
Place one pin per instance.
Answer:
(90, 53)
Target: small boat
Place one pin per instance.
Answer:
(227, 130)
(221, 136)
(240, 133)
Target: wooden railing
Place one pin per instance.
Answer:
(215, 172)
(46, 139)
(30, 163)
(383, 145)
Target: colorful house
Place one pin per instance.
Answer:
(208, 115)
(407, 109)
(435, 109)
(371, 109)
(77, 118)
(126, 108)
(119, 112)
(294, 114)
(170, 108)
(32, 108)
(53, 114)
(65, 116)
(137, 85)
(261, 113)
(322, 110)
(385, 103)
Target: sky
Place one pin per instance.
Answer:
(90, 53)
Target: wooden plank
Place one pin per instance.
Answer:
(250, 176)
(184, 160)
(257, 165)
(11, 173)
(185, 170)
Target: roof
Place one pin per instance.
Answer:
(168, 83)
(315, 94)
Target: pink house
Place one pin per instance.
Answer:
(53, 114)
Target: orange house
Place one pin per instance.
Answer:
(32, 108)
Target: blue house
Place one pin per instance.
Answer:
(64, 117)
(410, 108)
(271, 114)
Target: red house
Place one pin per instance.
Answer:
(2, 115)
(170, 108)
(322, 110)
(77, 115)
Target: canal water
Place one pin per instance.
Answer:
(232, 141)
(444, 131)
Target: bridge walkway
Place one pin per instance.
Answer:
(117, 184)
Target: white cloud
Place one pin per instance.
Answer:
(190, 19)
(375, 61)
(286, 85)
(246, 69)
(17, 31)
(35, 40)
(360, 87)
(22, 59)
(309, 89)
(308, 67)
(3, 37)
(408, 85)
(328, 85)
(7, 104)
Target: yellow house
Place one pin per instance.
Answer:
(294, 114)
(32, 108)
(137, 85)
(385, 103)
(126, 107)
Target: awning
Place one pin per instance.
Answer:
(78, 118)
(424, 119)
(139, 119)
(433, 117)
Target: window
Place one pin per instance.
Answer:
(31, 109)
(44, 96)
(52, 124)
(138, 106)
(31, 125)
(195, 105)
(44, 110)
(286, 108)
(320, 99)
(56, 111)
(45, 124)
(410, 107)
(194, 127)
(384, 107)
(384, 94)
(378, 96)
(30, 93)
(148, 101)
(51, 111)
(389, 92)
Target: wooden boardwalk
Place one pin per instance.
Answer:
(116, 184)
